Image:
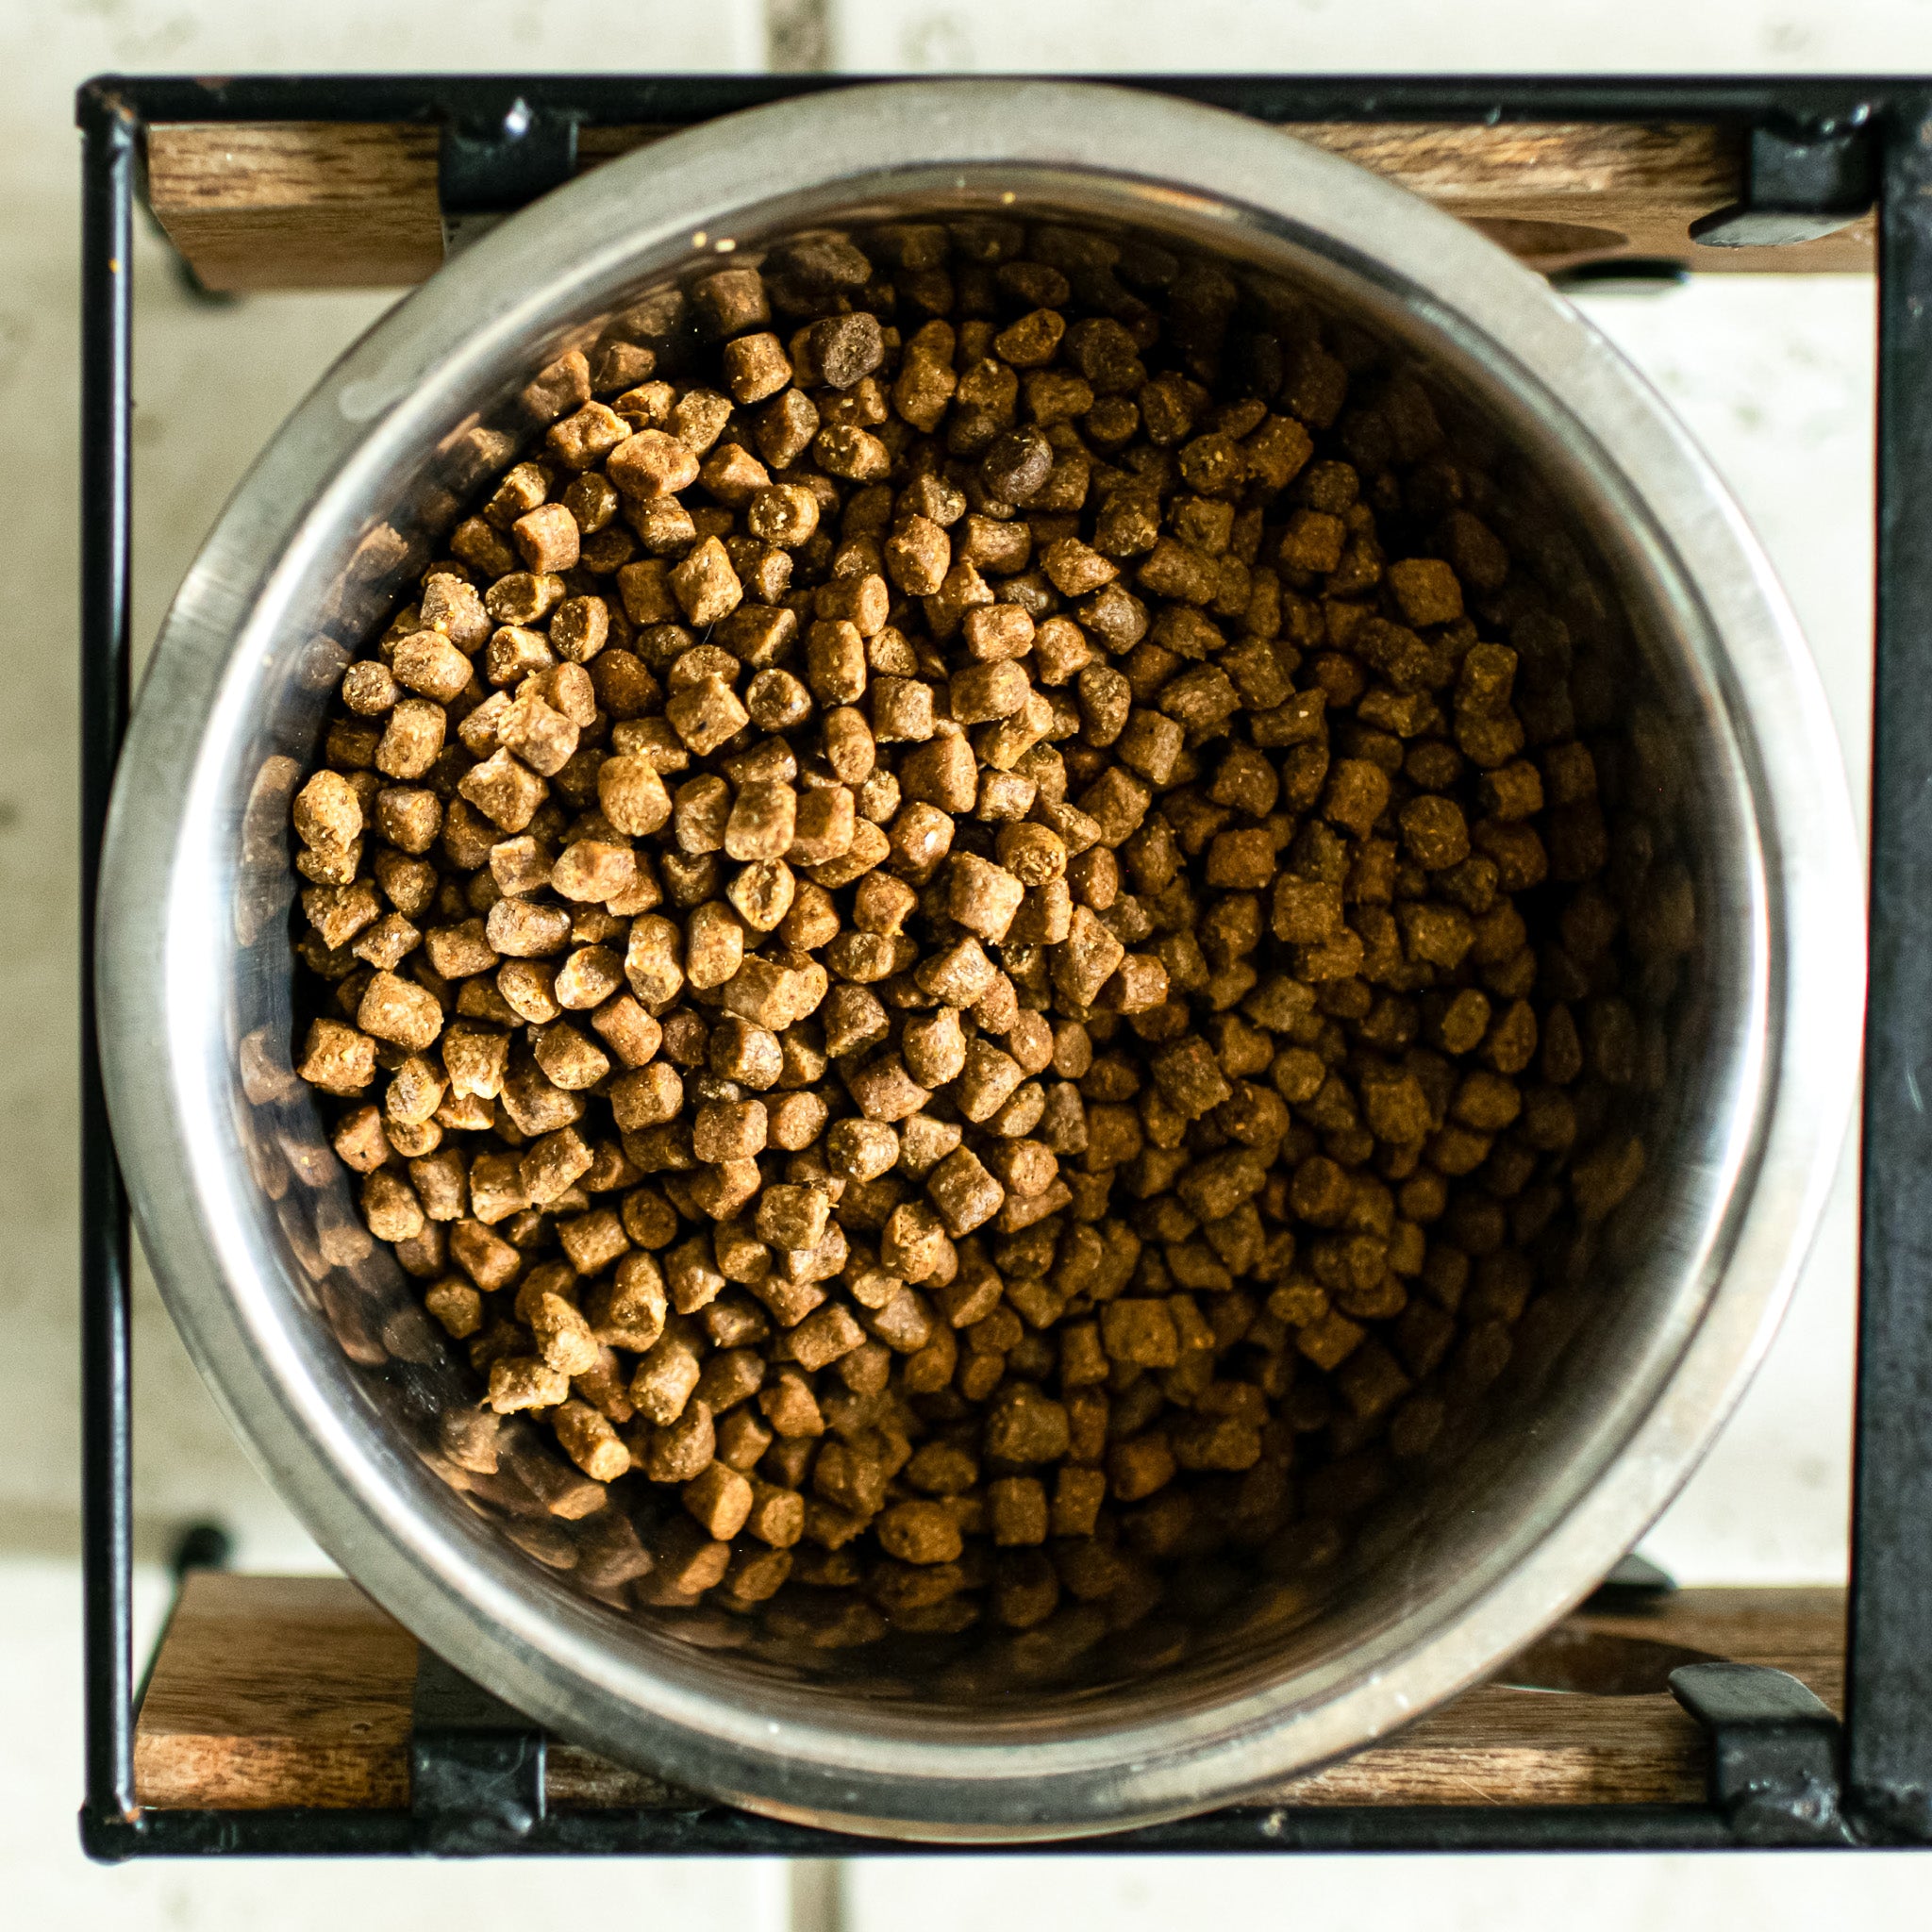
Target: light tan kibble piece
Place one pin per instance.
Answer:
(590, 1442)
(632, 794)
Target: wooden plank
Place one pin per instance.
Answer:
(298, 204)
(1499, 1745)
(272, 1691)
(1557, 194)
(304, 205)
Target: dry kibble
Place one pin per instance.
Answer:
(567, 1060)
(714, 944)
(632, 795)
(706, 715)
(1427, 589)
(539, 736)
(792, 1217)
(996, 632)
(652, 464)
(756, 366)
(933, 939)
(920, 1533)
(983, 693)
(862, 1150)
(981, 897)
(400, 1012)
(526, 1382)
(327, 812)
(457, 1305)
(763, 817)
(428, 663)
(505, 790)
(705, 584)
(965, 1193)
(523, 929)
(338, 1058)
(594, 871)
(589, 1441)
(411, 738)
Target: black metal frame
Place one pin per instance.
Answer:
(1782, 1772)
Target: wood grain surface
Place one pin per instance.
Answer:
(310, 205)
(272, 1691)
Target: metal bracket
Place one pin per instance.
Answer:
(490, 166)
(201, 1546)
(1636, 1584)
(1798, 185)
(475, 1766)
(1774, 1753)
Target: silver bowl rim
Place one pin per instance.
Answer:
(538, 266)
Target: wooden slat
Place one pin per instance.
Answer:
(298, 204)
(272, 1691)
(304, 204)
(1495, 1745)
(1560, 193)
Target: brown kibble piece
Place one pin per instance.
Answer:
(327, 813)
(338, 1058)
(1427, 589)
(920, 1533)
(792, 1217)
(981, 897)
(756, 366)
(1140, 1332)
(1017, 1506)
(706, 714)
(966, 1195)
(1357, 792)
(428, 663)
(548, 538)
(720, 1499)
(564, 1337)
(1025, 1426)
(526, 1382)
(1435, 832)
(706, 586)
(981, 692)
(762, 822)
(590, 1442)
(652, 464)
(411, 738)
(396, 1011)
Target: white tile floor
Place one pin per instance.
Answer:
(1378, 36)
(1775, 376)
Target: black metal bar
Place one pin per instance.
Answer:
(1820, 104)
(718, 1832)
(1888, 1681)
(107, 1501)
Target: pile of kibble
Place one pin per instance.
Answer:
(968, 941)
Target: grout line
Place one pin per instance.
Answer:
(817, 1896)
(798, 35)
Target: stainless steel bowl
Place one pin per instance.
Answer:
(306, 1334)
